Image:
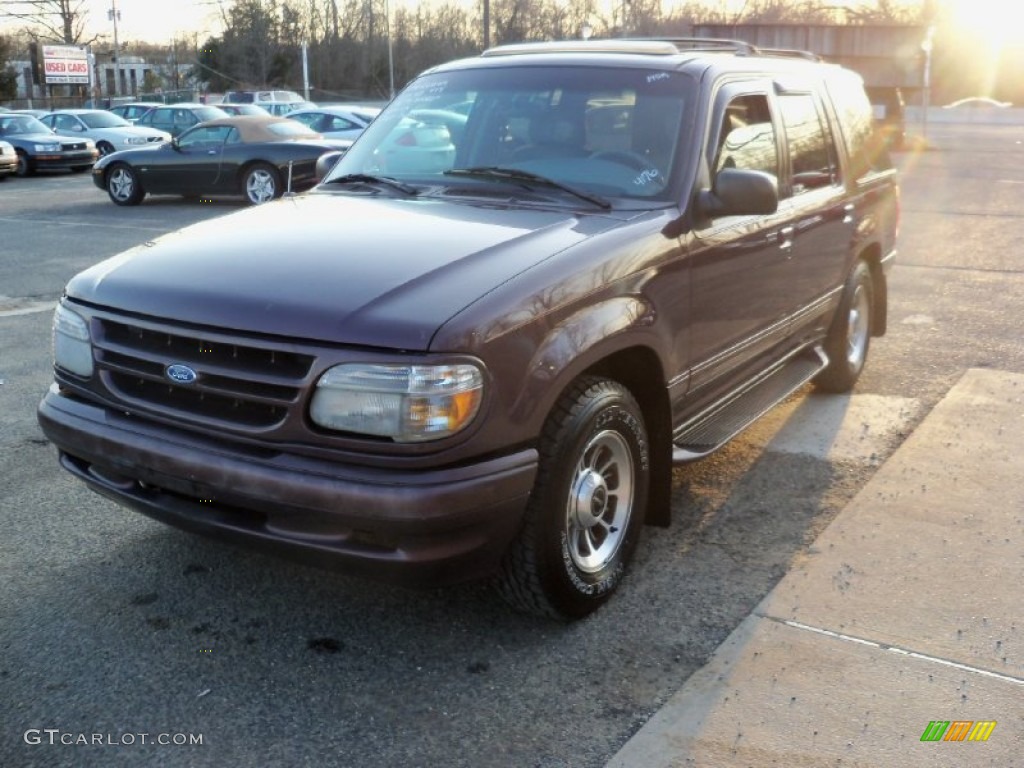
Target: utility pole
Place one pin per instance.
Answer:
(115, 15)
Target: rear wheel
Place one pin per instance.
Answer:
(586, 510)
(123, 185)
(261, 184)
(850, 335)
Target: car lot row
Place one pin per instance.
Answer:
(258, 157)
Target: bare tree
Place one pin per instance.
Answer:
(59, 20)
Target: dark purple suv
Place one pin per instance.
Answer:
(539, 278)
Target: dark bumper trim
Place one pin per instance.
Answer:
(423, 527)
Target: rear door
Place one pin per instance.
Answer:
(814, 202)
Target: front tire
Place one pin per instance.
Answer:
(850, 335)
(587, 507)
(123, 185)
(24, 166)
(261, 184)
(104, 148)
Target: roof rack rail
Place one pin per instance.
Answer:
(741, 47)
(710, 43)
(791, 52)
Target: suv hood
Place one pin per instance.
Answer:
(335, 268)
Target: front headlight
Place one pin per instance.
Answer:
(47, 147)
(408, 403)
(72, 349)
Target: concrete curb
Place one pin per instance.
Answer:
(906, 610)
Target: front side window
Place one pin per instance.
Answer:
(746, 138)
(612, 132)
(205, 137)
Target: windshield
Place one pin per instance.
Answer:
(104, 120)
(611, 132)
(10, 125)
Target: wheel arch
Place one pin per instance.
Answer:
(639, 370)
(872, 256)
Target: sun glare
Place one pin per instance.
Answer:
(994, 23)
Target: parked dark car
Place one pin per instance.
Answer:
(255, 157)
(40, 149)
(487, 367)
(177, 118)
(134, 110)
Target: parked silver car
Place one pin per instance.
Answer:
(110, 132)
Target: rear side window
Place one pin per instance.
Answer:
(812, 154)
(865, 145)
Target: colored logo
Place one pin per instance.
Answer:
(181, 374)
(958, 730)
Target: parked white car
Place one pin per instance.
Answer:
(110, 132)
(336, 122)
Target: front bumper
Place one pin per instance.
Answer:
(64, 161)
(426, 527)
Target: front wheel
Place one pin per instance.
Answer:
(587, 506)
(261, 184)
(123, 185)
(24, 166)
(105, 148)
(850, 335)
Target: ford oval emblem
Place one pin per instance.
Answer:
(181, 374)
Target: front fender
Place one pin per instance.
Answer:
(577, 343)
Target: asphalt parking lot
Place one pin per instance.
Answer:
(113, 625)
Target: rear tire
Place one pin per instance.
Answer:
(849, 338)
(587, 507)
(261, 184)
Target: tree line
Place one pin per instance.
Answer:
(355, 49)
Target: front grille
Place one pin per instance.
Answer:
(74, 146)
(239, 382)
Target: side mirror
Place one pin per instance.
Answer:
(737, 192)
(325, 163)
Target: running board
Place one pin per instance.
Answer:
(714, 428)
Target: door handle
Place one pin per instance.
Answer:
(786, 236)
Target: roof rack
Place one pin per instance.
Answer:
(708, 44)
(649, 45)
(741, 47)
(790, 52)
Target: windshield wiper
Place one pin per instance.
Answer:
(515, 174)
(366, 178)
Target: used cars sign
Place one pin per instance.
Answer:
(65, 64)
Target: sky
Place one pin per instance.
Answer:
(155, 21)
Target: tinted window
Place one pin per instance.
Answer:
(811, 152)
(865, 145)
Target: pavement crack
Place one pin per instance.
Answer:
(894, 649)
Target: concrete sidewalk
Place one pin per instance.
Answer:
(906, 610)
